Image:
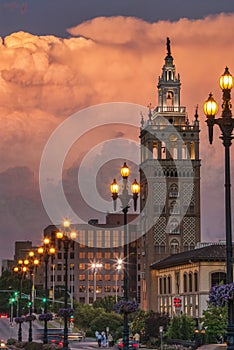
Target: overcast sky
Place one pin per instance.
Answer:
(59, 57)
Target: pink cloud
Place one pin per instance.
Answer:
(45, 79)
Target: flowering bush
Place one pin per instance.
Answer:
(220, 294)
(125, 306)
(45, 317)
(19, 319)
(29, 318)
(65, 312)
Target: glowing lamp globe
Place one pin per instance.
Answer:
(125, 171)
(210, 106)
(226, 80)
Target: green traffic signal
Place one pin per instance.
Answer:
(44, 300)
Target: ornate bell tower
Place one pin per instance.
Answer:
(170, 178)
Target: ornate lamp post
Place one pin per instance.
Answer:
(125, 198)
(31, 263)
(46, 251)
(95, 267)
(66, 235)
(21, 270)
(118, 268)
(226, 125)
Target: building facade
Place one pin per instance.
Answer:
(182, 281)
(100, 244)
(169, 178)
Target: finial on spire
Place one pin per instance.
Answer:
(196, 113)
(168, 47)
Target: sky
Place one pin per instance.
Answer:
(76, 76)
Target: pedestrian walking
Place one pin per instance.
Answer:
(99, 340)
(110, 340)
(103, 339)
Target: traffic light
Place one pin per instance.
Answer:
(72, 319)
(11, 300)
(44, 300)
(29, 303)
(16, 295)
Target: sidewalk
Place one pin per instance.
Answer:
(212, 347)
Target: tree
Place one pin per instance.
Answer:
(138, 324)
(111, 320)
(181, 327)
(85, 314)
(153, 322)
(214, 322)
(107, 303)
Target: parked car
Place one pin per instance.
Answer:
(132, 344)
(4, 315)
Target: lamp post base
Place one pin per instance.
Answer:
(230, 337)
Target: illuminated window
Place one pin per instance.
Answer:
(99, 289)
(82, 289)
(82, 277)
(90, 255)
(99, 255)
(107, 238)
(107, 289)
(107, 255)
(90, 238)
(99, 238)
(81, 237)
(82, 255)
(99, 277)
(107, 277)
(82, 266)
(107, 266)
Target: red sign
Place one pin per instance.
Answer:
(177, 302)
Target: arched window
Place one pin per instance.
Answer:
(185, 283)
(195, 281)
(173, 147)
(190, 282)
(186, 247)
(169, 284)
(174, 208)
(174, 227)
(174, 246)
(173, 191)
(160, 285)
(164, 285)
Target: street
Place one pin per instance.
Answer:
(8, 331)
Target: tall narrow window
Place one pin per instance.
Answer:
(185, 283)
(190, 282)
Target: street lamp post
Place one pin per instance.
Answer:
(46, 251)
(125, 198)
(95, 267)
(21, 270)
(226, 125)
(66, 236)
(31, 263)
(118, 268)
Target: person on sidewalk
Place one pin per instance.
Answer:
(110, 340)
(99, 340)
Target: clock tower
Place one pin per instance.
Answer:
(170, 179)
